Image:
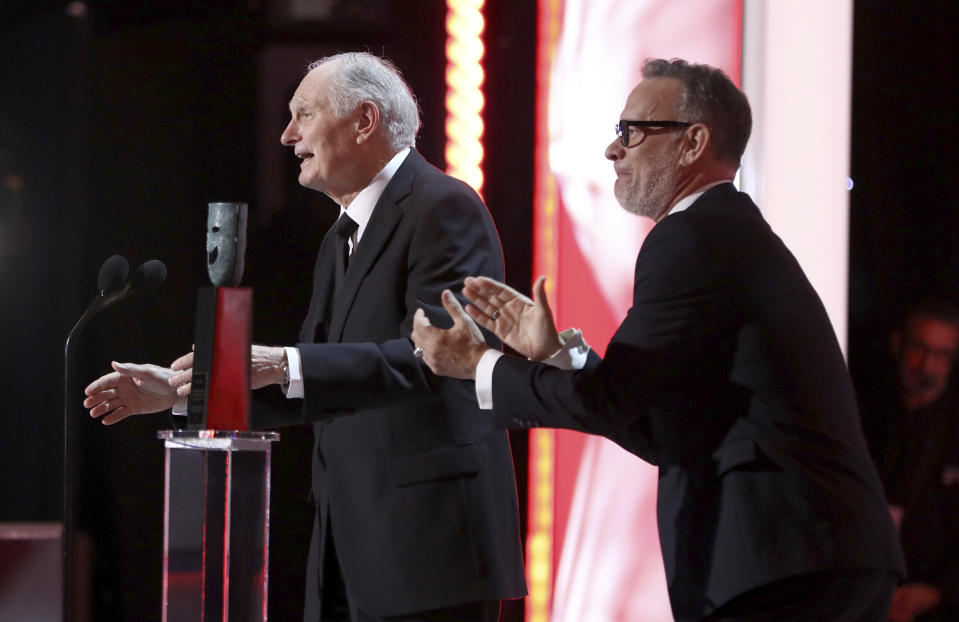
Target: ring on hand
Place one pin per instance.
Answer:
(107, 406)
(495, 315)
(418, 352)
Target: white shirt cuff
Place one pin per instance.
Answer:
(572, 355)
(574, 352)
(484, 379)
(295, 365)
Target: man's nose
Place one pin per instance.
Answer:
(928, 363)
(614, 151)
(290, 135)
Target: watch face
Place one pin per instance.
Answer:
(225, 243)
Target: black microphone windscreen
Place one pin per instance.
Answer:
(149, 276)
(113, 274)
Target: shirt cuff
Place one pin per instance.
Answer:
(484, 379)
(295, 365)
(574, 352)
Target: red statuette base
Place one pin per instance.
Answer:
(220, 396)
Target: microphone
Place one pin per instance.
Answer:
(113, 274)
(148, 276)
(113, 285)
(111, 279)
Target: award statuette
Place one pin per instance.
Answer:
(216, 512)
(220, 394)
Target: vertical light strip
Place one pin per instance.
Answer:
(539, 540)
(542, 442)
(464, 94)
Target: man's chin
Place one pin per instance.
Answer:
(621, 197)
(307, 181)
(923, 397)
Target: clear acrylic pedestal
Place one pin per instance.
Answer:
(216, 519)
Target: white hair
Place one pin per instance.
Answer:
(358, 77)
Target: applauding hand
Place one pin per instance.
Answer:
(525, 325)
(454, 352)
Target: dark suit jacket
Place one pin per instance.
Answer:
(418, 484)
(918, 458)
(727, 375)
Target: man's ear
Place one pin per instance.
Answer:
(367, 120)
(696, 139)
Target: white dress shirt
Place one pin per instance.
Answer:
(360, 210)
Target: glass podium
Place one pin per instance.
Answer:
(216, 519)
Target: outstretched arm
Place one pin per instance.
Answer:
(267, 366)
(131, 389)
(525, 325)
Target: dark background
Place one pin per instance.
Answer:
(904, 221)
(119, 123)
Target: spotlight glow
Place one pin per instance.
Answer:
(464, 94)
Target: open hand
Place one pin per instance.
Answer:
(131, 389)
(525, 325)
(454, 352)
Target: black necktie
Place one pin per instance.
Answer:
(343, 229)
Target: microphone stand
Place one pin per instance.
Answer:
(68, 483)
(113, 286)
(100, 301)
(69, 444)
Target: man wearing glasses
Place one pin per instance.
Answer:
(725, 373)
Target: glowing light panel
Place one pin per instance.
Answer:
(464, 94)
(540, 548)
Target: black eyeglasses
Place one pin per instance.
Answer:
(622, 128)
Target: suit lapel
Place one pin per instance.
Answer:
(384, 220)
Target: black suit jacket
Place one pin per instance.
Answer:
(727, 375)
(917, 454)
(419, 486)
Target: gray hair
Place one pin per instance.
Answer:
(359, 77)
(709, 97)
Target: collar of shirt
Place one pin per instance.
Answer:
(361, 208)
(689, 199)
